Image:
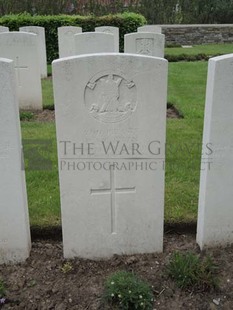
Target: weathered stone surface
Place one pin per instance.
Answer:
(111, 30)
(40, 31)
(22, 47)
(14, 223)
(66, 40)
(215, 214)
(111, 119)
(94, 42)
(145, 43)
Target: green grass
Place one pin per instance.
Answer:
(42, 185)
(186, 90)
(190, 271)
(210, 49)
(47, 89)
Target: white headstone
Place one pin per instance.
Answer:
(147, 43)
(215, 214)
(150, 28)
(111, 30)
(40, 31)
(111, 119)
(15, 240)
(94, 42)
(66, 40)
(22, 47)
(4, 29)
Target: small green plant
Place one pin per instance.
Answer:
(26, 116)
(190, 271)
(67, 267)
(126, 291)
(2, 288)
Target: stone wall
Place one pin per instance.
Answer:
(197, 34)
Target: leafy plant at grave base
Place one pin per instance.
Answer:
(26, 116)
(67, 267)
(126, 291)
(190, 271)
(127, 22)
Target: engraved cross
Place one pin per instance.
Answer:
(144, 46)
(18, 67)
(113, 190)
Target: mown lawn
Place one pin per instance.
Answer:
(209, 49)
(186, 90)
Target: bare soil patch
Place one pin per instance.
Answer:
(41, 284)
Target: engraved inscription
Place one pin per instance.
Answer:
(110, 97)
(145, 46)
(113, 190)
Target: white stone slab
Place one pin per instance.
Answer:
(66, 40)
(215, 214)
(147, 43)
(111, 30)
(40, 31)
(103, 100)
(94, 42)
(15, 240)
(22, 47)
(4, 29)
(150, 28)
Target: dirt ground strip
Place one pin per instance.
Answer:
(41, 284)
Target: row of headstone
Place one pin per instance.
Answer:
(110, 118)
(106, 40)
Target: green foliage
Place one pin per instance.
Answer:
(127, 22)
(159, 11)
(127, 291)
(184, 57)
(26, 116)
(189, 271)
(2, 288)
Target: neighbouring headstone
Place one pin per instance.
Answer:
(215, 214)
(147, 43)
(110, 120)
(40, 31)
(15, 242)
(94, 42)
(22, 47)
(111, 30)
(66, 40)
(4, 29)
(150, 28)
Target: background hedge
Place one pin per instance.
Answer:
(127, 22)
